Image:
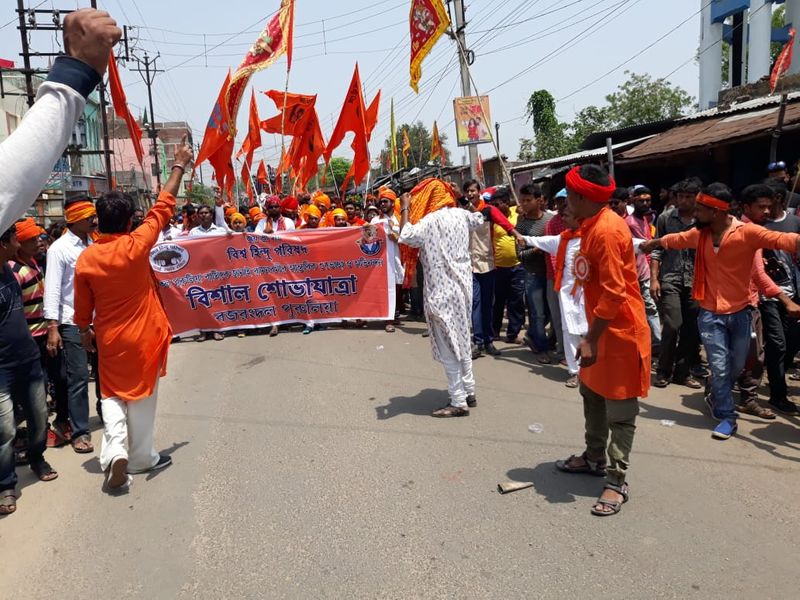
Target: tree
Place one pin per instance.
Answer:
(549, 135)
(641, 99)
(199, 194)
(340, 166)
(421, 139)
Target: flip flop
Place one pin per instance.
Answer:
(8, 502)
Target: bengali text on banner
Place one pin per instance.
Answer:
(247, 280)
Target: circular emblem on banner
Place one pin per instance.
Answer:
(369, 242)
(168, 258)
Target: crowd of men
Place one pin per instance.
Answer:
(603, 278)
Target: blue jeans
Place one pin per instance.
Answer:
(24, 385)
(535, 299)
(726, 339)
(482, 299)
(77, 379)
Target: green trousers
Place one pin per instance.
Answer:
(618, 417)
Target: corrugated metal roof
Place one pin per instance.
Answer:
(726, 126)
(577, 156)
(738, 107)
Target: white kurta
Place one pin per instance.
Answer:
(443, 240)
(392, 225)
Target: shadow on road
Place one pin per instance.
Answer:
(93, 464)
(522, 356)
(422, 404)
(557, 487)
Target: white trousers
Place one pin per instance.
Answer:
(460, 380)
(129, 424)
(571, 341)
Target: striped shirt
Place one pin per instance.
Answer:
(31, 281)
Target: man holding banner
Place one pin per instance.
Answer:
(117, 307)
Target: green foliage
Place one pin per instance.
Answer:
(641, 99)
(421, 139)
(340, 166)
(199, 194)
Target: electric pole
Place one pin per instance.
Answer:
(466, 88)
(148, 75)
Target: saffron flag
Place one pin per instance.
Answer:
(217, 146)
(121, 107)
(359, 170)
(393, 142)
(428, 21)
(783, 62)
(248, 182)
(406, 147)
(253, 139)
(274, 41)
(352, 118)
(261, 174)
(294, 118)
(436, 144)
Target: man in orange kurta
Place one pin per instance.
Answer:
(615, 354)
(117, 307)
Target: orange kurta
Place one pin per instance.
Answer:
(115, 283)
(611, 292)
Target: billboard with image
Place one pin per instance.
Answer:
(473, 120)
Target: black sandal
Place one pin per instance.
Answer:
(591, 467)
(8, 502)
(44, 471)
(623, 490)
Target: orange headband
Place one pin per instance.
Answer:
(78, 211)
(712, 202)
(28, 229)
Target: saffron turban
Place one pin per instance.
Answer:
(238, 217)
(273, 201)
(587, 189)
(386, 192)
(321, 199)
(28, 229)
(254, 212)
(313, 211)
(78, 211)
(339, 212)
(229, 211)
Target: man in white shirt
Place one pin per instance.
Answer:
(387, 218)
(274, 222)
(207, 226)
(59, 302)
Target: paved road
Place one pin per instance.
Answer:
(307, 467)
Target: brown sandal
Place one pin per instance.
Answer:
(589, 467)
(450, 411)
(613, 506)
(82, 444)
(44, 471)
(751, 407)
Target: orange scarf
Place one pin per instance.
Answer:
(561, 255)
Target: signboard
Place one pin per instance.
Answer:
(473, 120)
(247, 280)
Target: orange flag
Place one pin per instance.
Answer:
(436, 144)
(121, 107)
(274, 41)
(406, 147)
(298, 112)
(359, 172)
(352, 118)
(217, 146)
(248, 182)
(428, 21)
(253, 139)
(783, 62)
(261, 175)
(479, 169)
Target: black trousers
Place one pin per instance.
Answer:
(680, 339)
(780, 346)
(509, 291)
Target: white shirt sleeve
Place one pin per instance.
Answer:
(27, 156)
(545, 243)
(52, 283)
(260, 226)
(288, 223)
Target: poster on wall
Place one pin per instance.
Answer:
(473, 120)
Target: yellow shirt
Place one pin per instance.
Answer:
(505, 245)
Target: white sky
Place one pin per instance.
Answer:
(507, 36)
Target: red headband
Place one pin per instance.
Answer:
(712, 202)
(587, 189)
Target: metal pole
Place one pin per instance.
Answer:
(153, 132)
(26, 56)
(497, 133)
(466, 89)
(610, 153)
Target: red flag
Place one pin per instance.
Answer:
(428, 21)
(217, 146)
(275, 40)
(298, 112)
(261, 175)
(783, 62)
(121, 107)
(248, 182)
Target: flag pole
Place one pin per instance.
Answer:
(335, 185)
